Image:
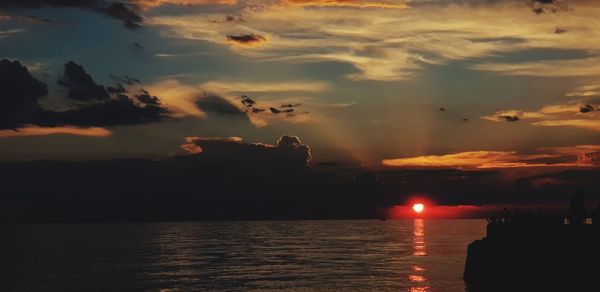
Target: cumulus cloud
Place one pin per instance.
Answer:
(81, 85)
(19, 94)
(20, 107)
(287, 152)
(576, 156)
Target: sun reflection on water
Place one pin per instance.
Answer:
(417, 276)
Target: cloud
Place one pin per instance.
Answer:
(81, 85)
(147, 4)
(546, 68)
(580, 113)
(118, 10)
(119, 111)
(42, 131)
(593, 125)
(189, 99)
(586, 108)
(20, 107)
(124, 13)
(287, 152)
(548, 6)
(211, 103)
(348, 3)
(586, 90)
(577, 156)
(19, 94)
(239, 87)
(246, 39)
(432, 32)
(9, 32)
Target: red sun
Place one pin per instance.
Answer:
(418, 207)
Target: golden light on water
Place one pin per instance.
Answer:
(417, 277)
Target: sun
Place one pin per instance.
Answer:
(418, 207)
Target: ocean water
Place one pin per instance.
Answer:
(353, 255)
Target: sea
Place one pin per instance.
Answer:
(337, 255)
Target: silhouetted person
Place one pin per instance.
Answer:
(577, 209)
(596, 215)
(506, 216)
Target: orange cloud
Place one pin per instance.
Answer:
(471, 159)
(348, 3)
(42, 131)
(146, 4)
(580, 123)
(192, 148)
(577, 156)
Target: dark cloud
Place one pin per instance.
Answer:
(559, 30)
(19, 94)
(274, 110)
(125, 79)
(81, 85)
(145, 98)
(118, 88)
(287, 152)
(247, 39)
(247, 101)
(211, 103)
(119, 111)
(551, 6)
(117, 10)
(586, 108)
(290, 105)
(124, 13)
(510, 118)
(232, 18)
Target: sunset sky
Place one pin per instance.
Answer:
(424, 84)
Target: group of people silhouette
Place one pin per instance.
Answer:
(516, 222)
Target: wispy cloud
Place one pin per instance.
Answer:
(395, 44)
(576, 156)
(147, 4)
(546, 68)
(586, 90)
(348, 3)
(44, 131)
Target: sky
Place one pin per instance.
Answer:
(509, 87)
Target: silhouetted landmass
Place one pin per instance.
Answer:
(537, 252)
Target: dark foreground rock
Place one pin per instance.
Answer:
(535, 257)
